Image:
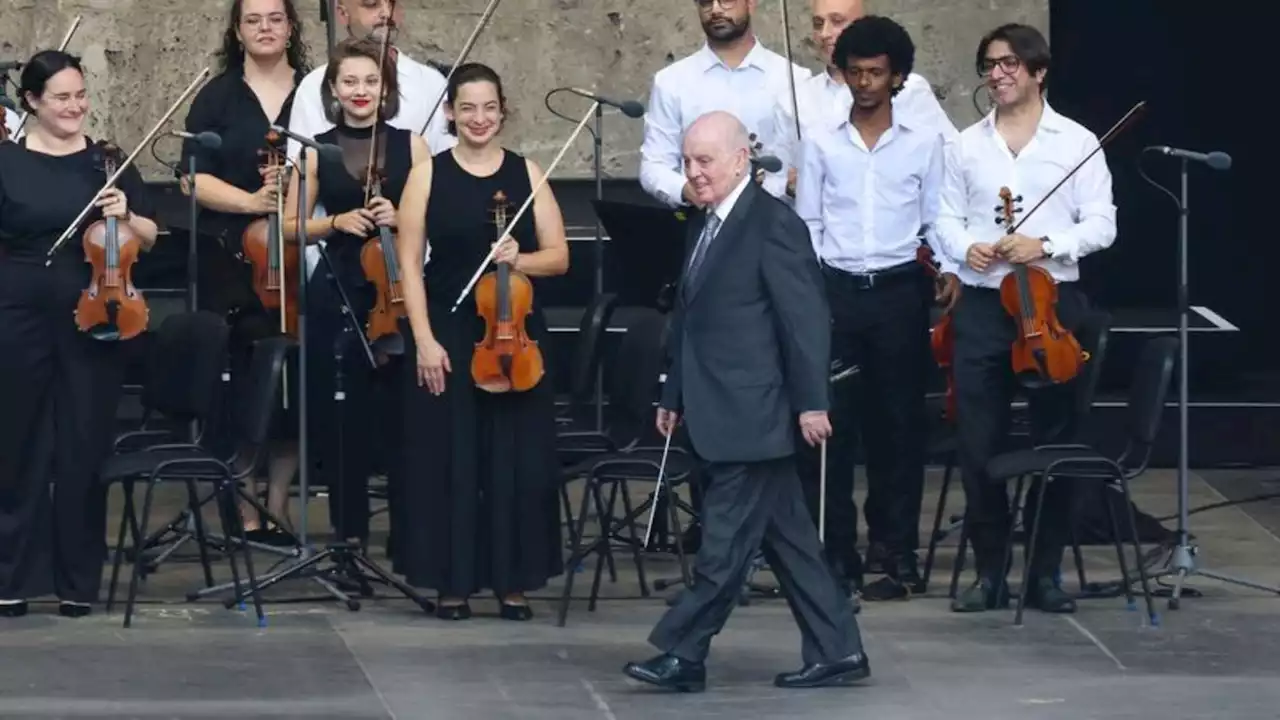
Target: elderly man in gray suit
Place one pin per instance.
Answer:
(749, 347)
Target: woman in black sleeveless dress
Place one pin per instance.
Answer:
(480, 468)
(351, 87)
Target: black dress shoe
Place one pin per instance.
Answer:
(842, 672)
(1050, 598)
(518, 613)
(13, 609)
(454, 612)
(670, 672)
(74, 609)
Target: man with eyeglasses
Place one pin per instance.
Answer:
(732, 72)
(1025, 145)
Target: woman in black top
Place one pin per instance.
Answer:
(59, 388)
(351, 87)
(263, 60)
(481, 476)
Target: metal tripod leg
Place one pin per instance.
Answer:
(1182, 565)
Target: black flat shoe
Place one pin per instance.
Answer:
(519, 613)
(13, 609)
(454, 612)
(73, 609)
(670, 672)
(842, 672)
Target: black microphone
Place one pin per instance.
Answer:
(630, 108)
(211, 140)
(7, 103)
(1216, 160)
(769, 163)
(8, 65)
(330, 151)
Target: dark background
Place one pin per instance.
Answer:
(1200, 69)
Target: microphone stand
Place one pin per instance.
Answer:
(598, 146)
(1181, 563)
(346, 558)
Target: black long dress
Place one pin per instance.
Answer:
(480, 468)
(364, 414)
(59, 388)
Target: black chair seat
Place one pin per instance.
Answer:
(138, 464)
(1068, 461)
(641, 463)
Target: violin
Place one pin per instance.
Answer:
(507, 359)
(1044, 352)
(942, 334)
(382, 268)
(111, 308)
(275, 272)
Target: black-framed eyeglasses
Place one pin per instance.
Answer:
(1007, 63)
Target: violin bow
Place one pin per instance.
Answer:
(371, 168)
(466, 50)
(791, 72)
(66, 40)
(1124, 122)
(111, 181)
(546, 175)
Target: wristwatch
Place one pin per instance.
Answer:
(1046, 246)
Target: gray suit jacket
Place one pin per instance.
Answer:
(750, 337)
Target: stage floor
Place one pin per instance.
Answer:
(1213, 658)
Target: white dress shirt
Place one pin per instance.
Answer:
(702, 83)
(865, 206)
(420, 86)
(825, 101)
(1078, 219)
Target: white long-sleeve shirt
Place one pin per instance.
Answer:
(1078, 219)
(702, 83)
(823, 102)
(865, 206)
(11, 121)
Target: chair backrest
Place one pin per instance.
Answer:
(634, 378)
(1149, 389)
(586, 353)
(184, 368)
(1094, 333)
(263, 396)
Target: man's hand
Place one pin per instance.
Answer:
(815, 426)
(948, 291)
(792, 177)
(666, 421)
(980, 256)
(1018, 248)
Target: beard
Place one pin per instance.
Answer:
(726, 30)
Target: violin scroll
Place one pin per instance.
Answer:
(507, 359)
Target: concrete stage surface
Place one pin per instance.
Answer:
(1215, 657)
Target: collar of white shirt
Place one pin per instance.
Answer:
(1050, 120)
(755, 58)
(726, 206)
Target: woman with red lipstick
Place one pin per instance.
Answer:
(263, 59)
(481, 475)
(351, 90)
(59, 388)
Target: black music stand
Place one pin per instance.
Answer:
(646, 250)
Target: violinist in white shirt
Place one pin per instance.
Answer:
(1025, 145)
(824, 97)
(733, 72)
(868, 182)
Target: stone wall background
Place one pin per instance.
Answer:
(141, 54)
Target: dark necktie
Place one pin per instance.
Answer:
(700, 250)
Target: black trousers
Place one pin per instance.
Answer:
(985, 388)
(341, 425)
(748, 507)
(883, 327)
(59, 390)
